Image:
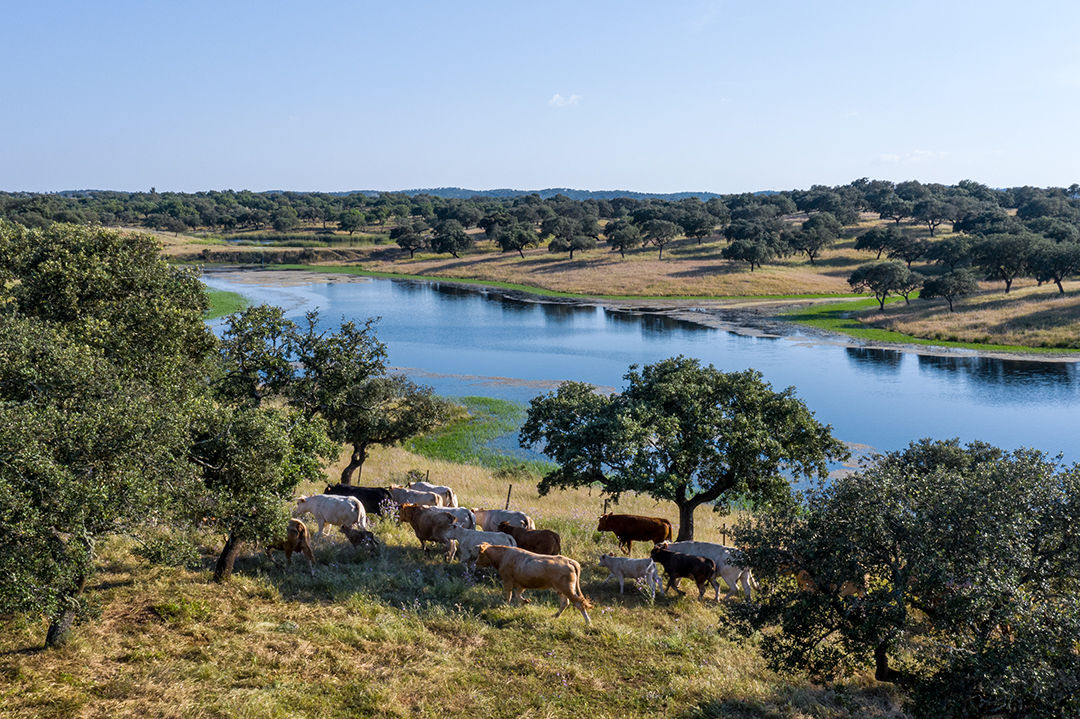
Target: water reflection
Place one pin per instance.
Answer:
(878, 359)
(992, 371)
(557, 312)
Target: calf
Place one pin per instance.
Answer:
(428, 523)
(540, 541)
(296, 540)
(678, 565)
(373, 498)
(449, 498)
(489, 519)
(466, 542)
(622, 567)
(726, 568)
(361, 538)
(330, 509)
(462, 515)
(630, 528)
(520, 570)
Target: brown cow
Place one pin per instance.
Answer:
(630, 528)
(361, 538)
(521, 570)
(427, 522)
(540, 541)
(296, 540)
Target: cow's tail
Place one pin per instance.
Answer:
(753, 582)
(576, 588)
(667, 536)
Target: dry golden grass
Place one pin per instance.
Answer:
(403, 635)
(1029, 315)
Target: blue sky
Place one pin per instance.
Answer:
(720, 96)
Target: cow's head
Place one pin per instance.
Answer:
(602, 525)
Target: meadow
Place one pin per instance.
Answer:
(402, 634)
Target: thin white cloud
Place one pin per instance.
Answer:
(558, 100)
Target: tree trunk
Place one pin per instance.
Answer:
(1060, 288)
(356, 463)
(949, 300)
(882, 671)
(60, 626)
(881, 303)
(661, 253)
(224, 567)
(521, 252)
(571, 253)
(686, 521)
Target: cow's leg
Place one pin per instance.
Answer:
(702, 585)
(584, 613)
(621, 580)
(322, 523)
(288, 556)
(563, 604)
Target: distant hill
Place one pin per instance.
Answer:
(461, 193)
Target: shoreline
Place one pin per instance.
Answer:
(752, 316)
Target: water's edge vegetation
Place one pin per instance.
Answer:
(223, 302)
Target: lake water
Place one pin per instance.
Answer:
(466, 342)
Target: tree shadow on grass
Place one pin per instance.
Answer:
(873, 701)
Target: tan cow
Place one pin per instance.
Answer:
(521, 570)
(428, 523)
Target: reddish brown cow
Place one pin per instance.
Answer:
(630, 528)
(427, 522)
(296, 540)
(539, 541)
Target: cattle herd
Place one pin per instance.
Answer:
(523, 556)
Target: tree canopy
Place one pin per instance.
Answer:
(680, 432)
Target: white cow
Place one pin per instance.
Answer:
(332, 509)
(462, 515)
(402, 495)
(466, 542)
(726, 568)
(622, 567)
(489, 519)
(449, 498)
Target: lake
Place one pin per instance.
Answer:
(463, 341)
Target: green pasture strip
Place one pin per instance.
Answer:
(224, 303)
(532, 289)
(464, 439)
(836, 317)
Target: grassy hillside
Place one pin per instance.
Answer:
(403, 635)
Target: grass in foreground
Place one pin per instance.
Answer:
(224, 303)
(404, 635)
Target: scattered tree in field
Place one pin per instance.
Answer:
(1055, 261)
(1004, 256)
(817, 233)
(754, 252)
(912, 282)
(659, 233)
(895, 209)
(953, 252)
(906, 248)
(410, 237)
(351, 221)
(386, 410)
(680, 432)
(950, 570)
(285, 219)
(622, 234)
(450, 237)
(931, 212)
(950, 286)
(878, 239)
(698, 225)
(515, 237)
(880, 278)
(571, 245)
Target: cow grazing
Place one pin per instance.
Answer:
(374, 499)
(449, 498)
(489, 519)
(678, 565)
(401, 495)
(466, 542)
(726, 568)
(330, 509)
(623, 567)
(428, 523)
(520, 570)
(296, 540)
(540, 541)
(630, 528)
(361, 538)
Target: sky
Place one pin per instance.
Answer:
(645, 96)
